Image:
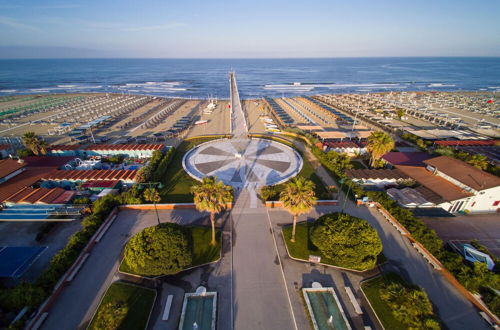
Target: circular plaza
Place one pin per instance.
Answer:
(243, 162)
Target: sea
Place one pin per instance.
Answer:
(203, 78)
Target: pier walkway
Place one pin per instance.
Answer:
(239, 127)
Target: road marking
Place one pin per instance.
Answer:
(282, 272)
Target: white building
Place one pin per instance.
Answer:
(483, 187)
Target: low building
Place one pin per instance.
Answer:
(64, 150)
(406, 158)
(9, 168)
(378, 178)
(409, 198)
(128, 150)
(68, 178)
(483, 187)
(437, 189)
(347, 147)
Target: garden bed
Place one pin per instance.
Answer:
(303, 247)
(203, 252)
(135, 307)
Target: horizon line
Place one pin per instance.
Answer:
(243, 58)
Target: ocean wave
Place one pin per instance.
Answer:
(66, 86)
(8, 90)
(153, 83)
(441, 85)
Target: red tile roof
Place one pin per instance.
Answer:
(471, 143)
(100, 184)
(63, 147)
(125, 147)
(28, 195)
(438, 185)
(344, 144)
(47, 161)
(464, 173)
(8, 166)
(89, 175)
(29, 177)
(377, 174)
(406, 158)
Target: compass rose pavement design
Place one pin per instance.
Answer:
(244, 162)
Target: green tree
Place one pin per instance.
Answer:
(379, 143)
(34, 143)
(298, 198)
(152, 195)
(160, 250)
(347, 238)
(478, 161)
(400, 113)
(111, 315)
(212, 196)
(445, 151)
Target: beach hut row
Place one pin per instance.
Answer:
(281, 115)
(144, 115)
(160, 117)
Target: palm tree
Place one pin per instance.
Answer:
(212, 196)
(298, 198)
(32, 142)
(379, 143)
(152, 195)
(42, 145)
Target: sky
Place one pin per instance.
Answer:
(248, 29)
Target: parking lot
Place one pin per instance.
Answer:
(484, 228)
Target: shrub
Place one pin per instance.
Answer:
(23, 294)
(268, 193)
(117, 159)
(22, 153)
(81, 200)
(410, 306)
(349, 239)
(160, 250)
(111, 315)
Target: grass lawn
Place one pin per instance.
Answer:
(306, 172)
(139, 301)
(371, 289)
(177, 183)
(303, 247)
(203, 252)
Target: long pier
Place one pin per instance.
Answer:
(239, 127)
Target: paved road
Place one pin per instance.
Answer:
(77, 303)
(259, 291)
